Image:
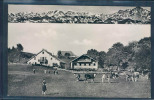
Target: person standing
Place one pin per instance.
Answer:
(109, 76)
(44, 88)
(45, 71)
(78, 77)
(103, 77)
(34, 71)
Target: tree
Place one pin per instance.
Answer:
(99, 56)
(116, 55)
(93, 53)
(13, 48)
(59, 54)
(142, 57)
(101, 59)
(67, 55)
(9, 50)
(19, 47)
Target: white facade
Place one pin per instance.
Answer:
(84, 62)
(44, 58)
(86, 66)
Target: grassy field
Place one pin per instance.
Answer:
(22, 82)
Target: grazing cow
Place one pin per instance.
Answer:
(132, 76)
(115, 75)
(128, 77)
(108, 76)
(90, 76)
(135, 76)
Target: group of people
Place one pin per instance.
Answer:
(44, 87)
(47, 71)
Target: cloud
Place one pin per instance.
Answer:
(47, 34)
(84, 42)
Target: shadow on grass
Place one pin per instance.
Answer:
(51, 93)
(103, 82)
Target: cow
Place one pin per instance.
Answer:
(135, 76)
(107, 76)
(90, 76)
(128, 77)
(115, 75)
(132, 76)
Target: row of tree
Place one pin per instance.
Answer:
(136, 55)
(16, 54)
(19, 48)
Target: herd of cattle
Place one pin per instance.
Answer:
(130, 76)
(85, 76)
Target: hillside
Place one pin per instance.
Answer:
(19, 57)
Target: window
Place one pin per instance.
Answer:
(80, 64)
(42, 58)
(94, 64)
(46, 61)
(85, 64)
(34, 58)
(42, 52)
(89, 64)
(51, 58)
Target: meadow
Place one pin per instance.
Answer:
(23, 82)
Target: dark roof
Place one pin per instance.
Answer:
(70, 52)
(83, 55)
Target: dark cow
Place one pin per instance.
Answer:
(132, 76)
(115, 75)
(135, 76)
(90, 76)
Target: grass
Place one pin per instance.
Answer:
(22, 82)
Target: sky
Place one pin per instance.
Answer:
(77, 38)
(45, 8)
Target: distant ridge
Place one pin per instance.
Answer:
(137, 15)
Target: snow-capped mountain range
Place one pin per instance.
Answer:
(137, 15)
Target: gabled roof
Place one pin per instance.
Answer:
(70, 52)
(48, 53)
(83, 55)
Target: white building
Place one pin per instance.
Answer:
(84, 62)
(45, 58)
